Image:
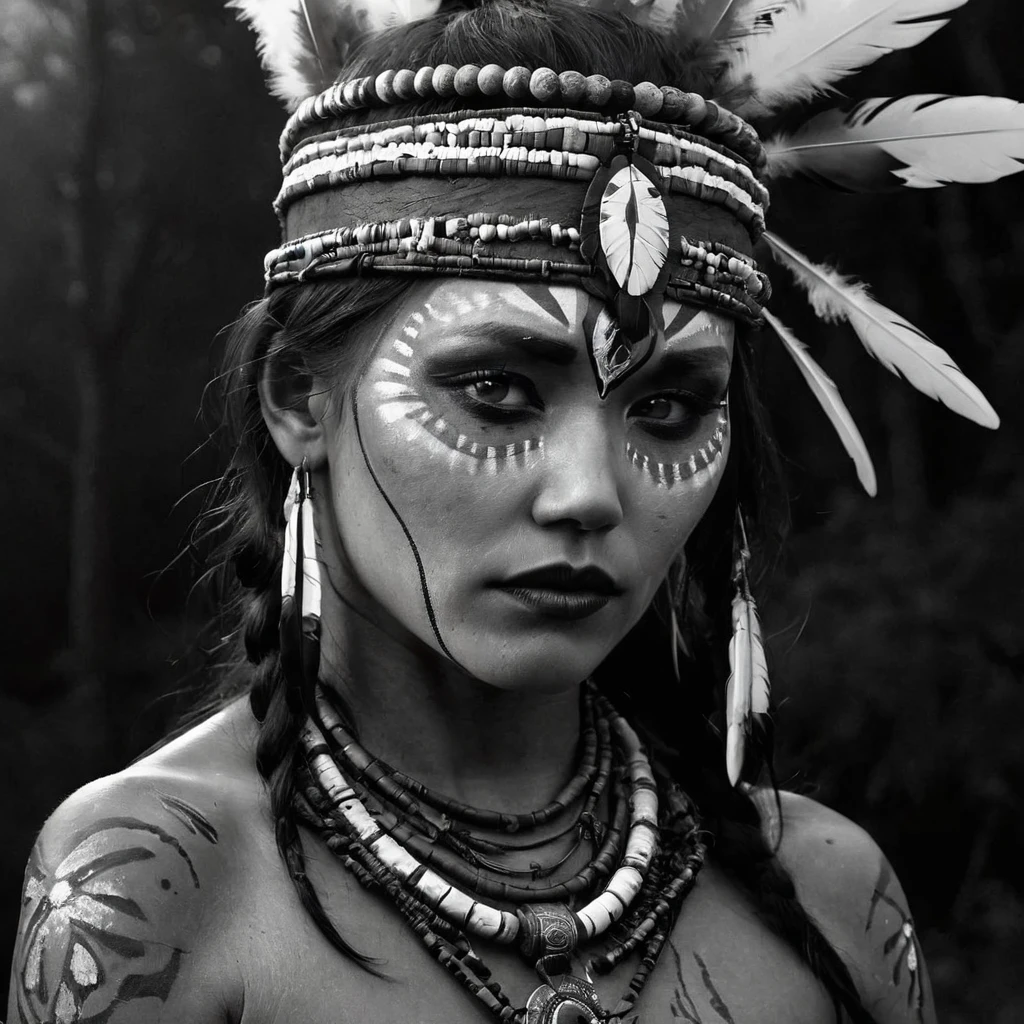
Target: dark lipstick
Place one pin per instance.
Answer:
(563, 591)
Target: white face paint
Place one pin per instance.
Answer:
(485, 451)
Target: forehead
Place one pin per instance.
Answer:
(450, 307)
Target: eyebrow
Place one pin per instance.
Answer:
(680, 362)
(561, 353)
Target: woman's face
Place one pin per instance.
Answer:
(493, 504)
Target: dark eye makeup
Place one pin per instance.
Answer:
(673, 415)
(494, 395)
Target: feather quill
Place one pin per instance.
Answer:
(825, 391)
(303, 44)
(922, 141)
(896, 343)
(815, 43)
(747, 692)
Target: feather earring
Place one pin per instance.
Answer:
(747, 691)
(300, 591)
(897, 344)
(924, 141)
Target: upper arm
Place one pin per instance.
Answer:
(845, 882)
(116, 911)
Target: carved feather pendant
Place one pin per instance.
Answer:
(624, 235)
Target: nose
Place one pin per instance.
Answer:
(579, 485)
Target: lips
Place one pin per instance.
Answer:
(563, 591)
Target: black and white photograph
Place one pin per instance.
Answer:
(513, 511)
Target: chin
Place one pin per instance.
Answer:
(532, 664)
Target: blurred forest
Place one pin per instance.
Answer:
(139, 152)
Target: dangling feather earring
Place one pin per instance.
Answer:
(300, 591)
(747, 692)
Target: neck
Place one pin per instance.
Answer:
(503, 749)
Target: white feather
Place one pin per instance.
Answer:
(896, 343)
(826, 392)
(923, 141)
(815, 43)
(280, 44)
(747, 692)
(303, 43)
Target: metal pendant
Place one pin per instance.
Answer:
(573, 1001)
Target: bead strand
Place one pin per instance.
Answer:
(681, 854)
(399, 788)
(542, 86)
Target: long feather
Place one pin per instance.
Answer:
(303, 44)
(897, 344)
(725, 19)
(747, 692)
(923, 141)
(815, 43)
(825, 391)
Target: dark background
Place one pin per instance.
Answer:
(137, 161)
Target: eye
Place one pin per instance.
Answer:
(660, 408)
(501, 390)
(672, 416)
(494, 395)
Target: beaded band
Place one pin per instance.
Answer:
(494, 143)
(547, 87)
(711, 272)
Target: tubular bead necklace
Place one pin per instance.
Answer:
(395, 850)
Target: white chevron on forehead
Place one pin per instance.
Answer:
(691, 320)
(559, 304)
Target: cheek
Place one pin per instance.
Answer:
(449, 495)
(672, 490)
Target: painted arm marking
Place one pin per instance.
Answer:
(88, 942)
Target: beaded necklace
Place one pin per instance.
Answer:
(379, 823)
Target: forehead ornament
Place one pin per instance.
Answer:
(615, 160)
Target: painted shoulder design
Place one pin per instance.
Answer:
(111, 904)
(851, 890)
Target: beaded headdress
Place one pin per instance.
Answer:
(633, 191)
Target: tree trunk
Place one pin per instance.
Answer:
(89, 596)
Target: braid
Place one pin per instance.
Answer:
(743, 850)
(277, 749)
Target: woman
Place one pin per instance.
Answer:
(490, 527)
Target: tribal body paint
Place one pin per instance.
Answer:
(476, 447)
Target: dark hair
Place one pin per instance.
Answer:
(311, 321)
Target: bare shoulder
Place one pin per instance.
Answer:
(127, 891)
(848, 886)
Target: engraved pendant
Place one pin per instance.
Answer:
(573, 1001)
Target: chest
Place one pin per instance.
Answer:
(721, 964)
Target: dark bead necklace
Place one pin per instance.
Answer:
(550, 931)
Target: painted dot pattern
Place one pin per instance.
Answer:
(398, 398)
(696, 471)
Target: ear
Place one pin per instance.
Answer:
(295, 405)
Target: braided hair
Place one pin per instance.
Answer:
(308, 321)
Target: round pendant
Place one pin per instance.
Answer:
(574, 1002)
